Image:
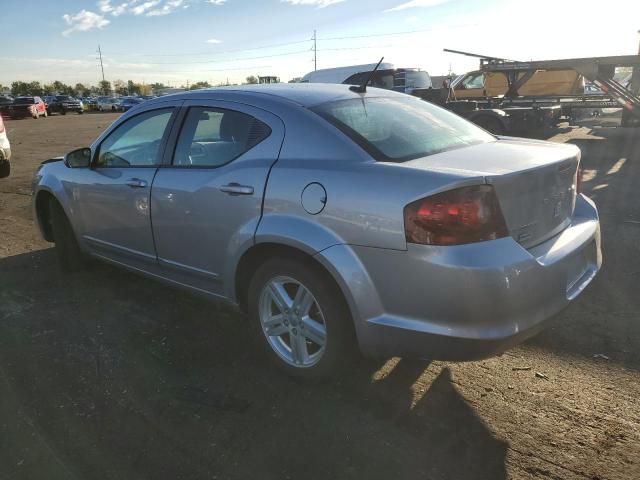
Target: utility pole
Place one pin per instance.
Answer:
(315, 51)
(101, 66)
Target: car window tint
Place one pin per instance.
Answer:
(400, 129)
(136, 142)
(212, 137)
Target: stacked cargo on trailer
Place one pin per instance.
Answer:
(527, 106)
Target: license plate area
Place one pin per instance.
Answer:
(581, 269)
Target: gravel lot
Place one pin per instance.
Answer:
(105, 375)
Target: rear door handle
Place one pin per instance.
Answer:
(136, 183)
(237, 189)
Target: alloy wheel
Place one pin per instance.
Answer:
(292, 322)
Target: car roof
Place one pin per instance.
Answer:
(303, 94)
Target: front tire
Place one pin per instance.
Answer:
(299, 317)
(70, 257)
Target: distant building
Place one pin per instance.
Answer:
(268, 79)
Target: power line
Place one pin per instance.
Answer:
(275, 45)
(406, 32)
(226, 61)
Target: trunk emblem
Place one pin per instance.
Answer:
(557, 209)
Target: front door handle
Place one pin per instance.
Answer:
(237, 189)
(136, 183)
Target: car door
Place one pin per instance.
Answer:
(471, 86)
(112, 197)
(209, 198)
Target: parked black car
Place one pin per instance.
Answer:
(63, 104)
(4, 104)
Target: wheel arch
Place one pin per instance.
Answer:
(498, 116)
(258, 254)
(43, 214)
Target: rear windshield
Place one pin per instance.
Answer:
(23, 101)
(401, 129)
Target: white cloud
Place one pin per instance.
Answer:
(167, 8)
(214, 41)
(84, 21)
(317, 3)
(144, 7)
(217, 2)
(415, 4)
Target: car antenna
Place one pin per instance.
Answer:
(363, 88)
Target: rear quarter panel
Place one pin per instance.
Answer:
(365, 199)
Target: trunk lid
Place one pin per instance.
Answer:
(535, 182)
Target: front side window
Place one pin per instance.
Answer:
(136, 142)
(475, 80)
(212, 137)
(400, 129)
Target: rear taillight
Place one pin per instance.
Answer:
(455, 217)
(579, 180)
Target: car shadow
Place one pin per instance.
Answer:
(603, 320)
(107, 374)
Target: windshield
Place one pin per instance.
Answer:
(399, 129)
(23, 101)
(417, 80)
(64, 98)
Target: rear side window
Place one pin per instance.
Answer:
(212, 137)
(401, 129)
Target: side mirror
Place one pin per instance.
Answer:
(80, 158)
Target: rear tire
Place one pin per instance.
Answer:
(323, 330)
(70, 257)
(45, 114)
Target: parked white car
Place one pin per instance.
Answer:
(403, 80)
(108, 104)
(5, 151)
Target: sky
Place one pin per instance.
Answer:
(180, 41)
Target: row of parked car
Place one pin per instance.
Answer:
(35, 106)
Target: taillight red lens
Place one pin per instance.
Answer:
(464, 215)
(579, 180)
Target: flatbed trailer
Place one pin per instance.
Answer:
(516, 114)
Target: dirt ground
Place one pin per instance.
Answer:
(105, 375)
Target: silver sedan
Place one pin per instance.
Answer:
(333, 218)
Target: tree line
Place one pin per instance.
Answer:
(105, 87)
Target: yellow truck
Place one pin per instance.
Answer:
(543, 83)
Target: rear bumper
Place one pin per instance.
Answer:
(5, 154)
(465, 302)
